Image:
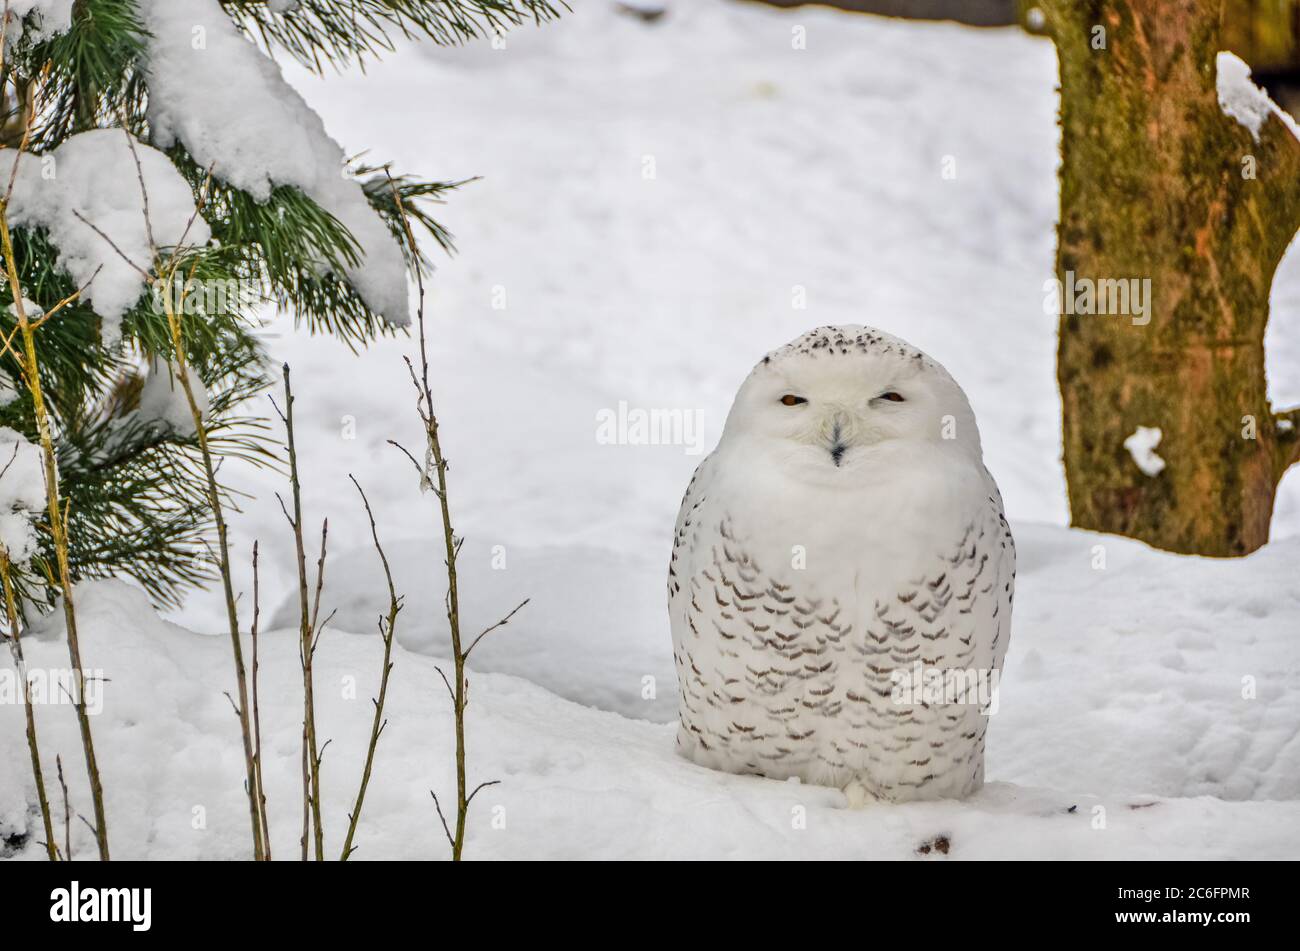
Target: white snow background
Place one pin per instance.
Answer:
(1123, 730)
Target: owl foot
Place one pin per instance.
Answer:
(858, 795)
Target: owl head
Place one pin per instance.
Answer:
(839, 402)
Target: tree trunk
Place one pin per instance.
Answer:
(1265, 33)
(1159, 184)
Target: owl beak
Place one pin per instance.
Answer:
(838, 446)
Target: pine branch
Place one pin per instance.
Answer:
(318, 33)
(297, 250)
(394, 195)
(139, 494)
(94, 71)
(57, 516)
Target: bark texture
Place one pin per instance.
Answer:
(1156, 184)
(1265, 33)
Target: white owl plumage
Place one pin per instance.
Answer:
(845, 528)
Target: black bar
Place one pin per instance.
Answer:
(214, 901)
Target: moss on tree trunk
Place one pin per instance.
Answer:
(1264, 32)
(1158, 184)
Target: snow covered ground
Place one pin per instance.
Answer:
(658, 202)
(1122, 732)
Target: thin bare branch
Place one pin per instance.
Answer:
(387, 627)
(149, 278)
(492, 782)
(306, 634)
(257, 716)
(16, 648)
(57, 519)
(418, 468)
(144, 190)
(501, 623)
(67, 812)
(450, 692)
(445, 830)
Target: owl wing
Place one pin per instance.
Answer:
(955, 616)
(961, 607)
(679, 568)
(1005, 573)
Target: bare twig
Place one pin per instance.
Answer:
(316, 626)
(198, 205)
(311, 755)
(168, 272)
(491, 782)
(257, 718)
(445, 830)
(149, 278)
(57, 524)
(447, 683)
(57, 514)
(306, 799)
(144, 191)
(387, 627)
(67, 811)
(16, 648)
(433, 474)
(420, 470)
(501, 623)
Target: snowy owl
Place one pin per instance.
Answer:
(841, 567)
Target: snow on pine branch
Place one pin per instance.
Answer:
(22, 494)
(51, 17)
(213, 91)
(92, 180)
(163, 400)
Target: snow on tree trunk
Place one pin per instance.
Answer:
(1180, 192)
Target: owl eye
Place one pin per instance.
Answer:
(891, 396)
(791, 400)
